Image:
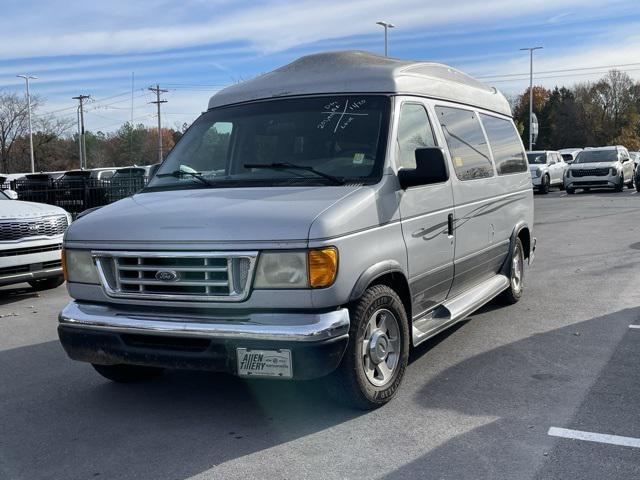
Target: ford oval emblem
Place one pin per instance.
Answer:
(167, 275)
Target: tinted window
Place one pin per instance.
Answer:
(505, 145)
(539, 158)
(414, 131)
(466, 141)
(280, 142)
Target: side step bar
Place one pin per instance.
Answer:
(456, 309)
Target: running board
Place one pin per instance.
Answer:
(456, 309)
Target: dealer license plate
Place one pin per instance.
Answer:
(264, 363)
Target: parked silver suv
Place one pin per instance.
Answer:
(601, 167)
(317, 221)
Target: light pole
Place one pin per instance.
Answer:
(531, 49)
(386, 26)
(27, 78)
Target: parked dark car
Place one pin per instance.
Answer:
(126, 182)
(76, 191)
(35, 187)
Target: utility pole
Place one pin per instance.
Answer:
(157, 90)
(82, 144)
(386, 26)
(27, 78)
(531, 49)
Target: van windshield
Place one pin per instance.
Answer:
(303, 141)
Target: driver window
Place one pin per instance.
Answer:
(414, 131)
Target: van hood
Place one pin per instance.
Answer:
(210, 215)
(19, 209)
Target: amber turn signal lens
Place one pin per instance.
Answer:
(323, 267)
(63, 261)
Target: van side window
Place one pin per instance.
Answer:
(467, 143)
(414, 131)
(505, 145)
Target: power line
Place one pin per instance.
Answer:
(566, 70)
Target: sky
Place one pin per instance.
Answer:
(192, 48)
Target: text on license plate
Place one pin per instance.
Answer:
(264, 363)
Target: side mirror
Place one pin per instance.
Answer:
(431, 167)
(12, 194)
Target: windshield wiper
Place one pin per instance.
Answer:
(182, 173)
(293, 166)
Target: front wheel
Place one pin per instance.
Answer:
(571, 191)
(374, 363)
(544, 185)
(127, 373)
(620, 186)
(516, 275)
(631, 183)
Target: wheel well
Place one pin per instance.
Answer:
(397, 282)
(525, 238)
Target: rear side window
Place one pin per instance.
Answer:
(414, 131)
(467, 143)
(505, 145)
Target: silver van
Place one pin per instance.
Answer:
(317, 221)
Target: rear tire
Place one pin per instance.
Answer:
(46, 283)
(516, 276)
(127, 373)
(374, 363)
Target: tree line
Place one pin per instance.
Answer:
(604, 112)
(589, 114)
(55, 140)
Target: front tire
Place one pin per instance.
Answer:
(631, 183)
(516, 275)
(571, 191)
(620, 186)
(544, 185)
(46, 283)
(374, 363)
(127, 373)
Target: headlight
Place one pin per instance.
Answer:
(568, 173)
(78, 267)
(297, 269)
(536, 172)
(614, 171)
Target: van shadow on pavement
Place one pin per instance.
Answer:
(529, 386)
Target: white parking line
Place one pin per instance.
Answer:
(594, 437)
(563, 195)
(634, 326)
(633, 193)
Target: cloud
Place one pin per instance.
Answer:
(268, 27)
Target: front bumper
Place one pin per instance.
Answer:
(608, 181)
(105, 335)
(536, 181)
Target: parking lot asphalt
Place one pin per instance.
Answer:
(477, 401)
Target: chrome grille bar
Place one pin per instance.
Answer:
(197, 276)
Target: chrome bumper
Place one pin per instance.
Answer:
(294, 327)
(28, 276)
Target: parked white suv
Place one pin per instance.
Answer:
(30, 243)
(601, 167)
(547, 169)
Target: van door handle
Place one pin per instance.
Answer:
(450, 224)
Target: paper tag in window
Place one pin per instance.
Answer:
(458, 161)
(358, 158)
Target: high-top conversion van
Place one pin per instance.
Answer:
(317, 221)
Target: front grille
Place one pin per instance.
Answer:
(590, 172)
(592, 183)
(206, 276)
(29, 250)
(37, 227)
